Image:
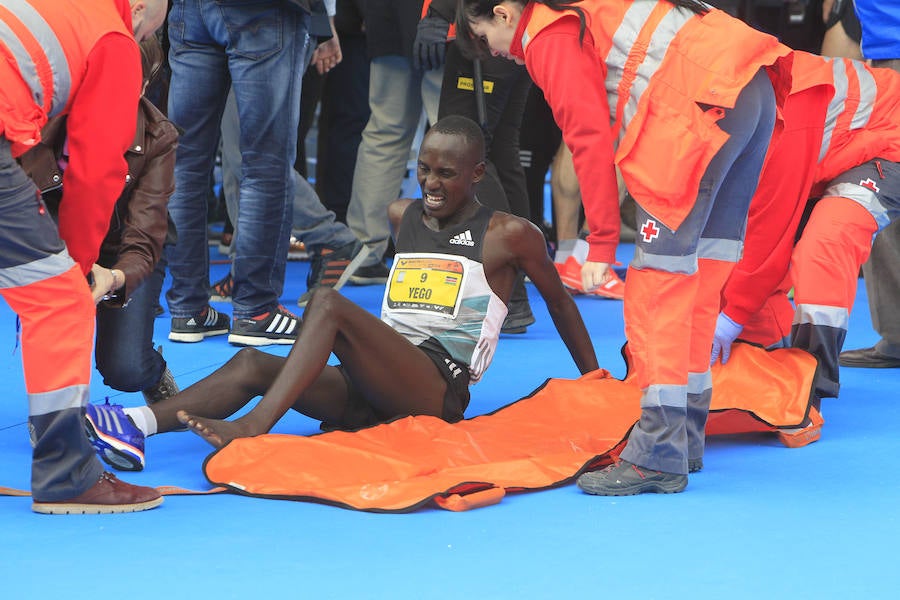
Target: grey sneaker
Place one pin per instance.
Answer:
(627, 479)
(164, 388)
(376, 274)
(193, 329)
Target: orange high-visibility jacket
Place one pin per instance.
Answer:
(663, 76)
(51, 50)
(863, 120)
(77, 57)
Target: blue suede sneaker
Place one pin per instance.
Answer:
(114, 436)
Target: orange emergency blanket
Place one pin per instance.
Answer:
(562, 429)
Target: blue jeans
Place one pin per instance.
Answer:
(124, 350)
(257, 48)
(313, 224)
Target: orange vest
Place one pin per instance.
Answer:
(662, 63)
(863, 119)
(50, 41)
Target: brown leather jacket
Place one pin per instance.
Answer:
(140, 222)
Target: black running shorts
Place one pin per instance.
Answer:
(360, 413)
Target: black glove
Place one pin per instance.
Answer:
(430, 44)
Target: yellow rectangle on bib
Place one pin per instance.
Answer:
(427, 284)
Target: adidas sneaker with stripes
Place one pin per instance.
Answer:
(279, 326)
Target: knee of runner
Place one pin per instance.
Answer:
(247, 358)
(324, 299)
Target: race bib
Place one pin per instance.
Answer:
(428, 284)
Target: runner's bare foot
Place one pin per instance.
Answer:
(216, 432)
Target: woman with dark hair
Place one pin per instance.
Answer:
(683, 99)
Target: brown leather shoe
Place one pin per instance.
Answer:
(108, 495)
(868, 358)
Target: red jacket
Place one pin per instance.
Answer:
(622, 100)
(86, 65)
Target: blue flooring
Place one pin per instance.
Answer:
(760, 521)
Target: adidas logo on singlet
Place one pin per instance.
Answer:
(463, 239)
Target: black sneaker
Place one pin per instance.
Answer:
(332, 267)
(193, 329)
(518, 318)
(279, 326)
(376, 274)
(695, 465)
(627, 479)
(222, 290)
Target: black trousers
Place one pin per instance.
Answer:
(506, 89)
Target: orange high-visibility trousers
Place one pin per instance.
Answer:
(825, 270)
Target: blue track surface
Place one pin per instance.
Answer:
(760, 521)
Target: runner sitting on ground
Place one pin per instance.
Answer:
(446, 299)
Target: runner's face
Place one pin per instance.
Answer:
(447, 173)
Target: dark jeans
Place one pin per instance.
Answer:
(124, 350)
(345, 112)
(256, 47)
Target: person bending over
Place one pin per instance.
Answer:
(443, 307)
(683, 100)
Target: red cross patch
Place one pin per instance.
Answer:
(649, 230)
(870, 184)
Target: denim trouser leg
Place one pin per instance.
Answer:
(197, 91)
(231, 164)
(313, 223)
(267, 86)
(124, 350)
(257, 47)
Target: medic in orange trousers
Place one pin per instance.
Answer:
(689, 130)
(841, 142)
